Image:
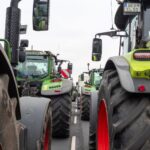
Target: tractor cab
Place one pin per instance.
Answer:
(37, 68)
(38, 75)
(38, 65)
(132, 21)
(95, 76)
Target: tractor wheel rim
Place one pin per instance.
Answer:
(47, 139)
(102, 128)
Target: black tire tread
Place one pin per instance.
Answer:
(92, 140)
(61, 115)
(93, 120)
(129, 113)
(85, 107)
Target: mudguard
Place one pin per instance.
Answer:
(33, 110)
(7, 69)
(65, 87)
(127, 82)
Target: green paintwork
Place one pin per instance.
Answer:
(92, 85)
(138, 69)
(47, 83)
(89, 89)
(8, 48)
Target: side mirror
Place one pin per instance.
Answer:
(70, 67)
(24, 43)
(97, 49)
(40, 15)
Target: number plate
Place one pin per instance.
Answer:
(132, 8)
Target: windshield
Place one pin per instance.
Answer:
(33, 67)
(97, 78)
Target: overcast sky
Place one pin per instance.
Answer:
(73, 24)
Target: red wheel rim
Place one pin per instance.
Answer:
(102, 130)
(47, 139)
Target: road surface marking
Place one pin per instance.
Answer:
(75, 120)
(73, 143)
(76, 110)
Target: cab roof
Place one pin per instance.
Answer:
(39, 52)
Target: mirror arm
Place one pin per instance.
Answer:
(111, 34)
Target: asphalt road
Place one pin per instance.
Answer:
(79, 135)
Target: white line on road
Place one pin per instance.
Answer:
(73, 143)
(76, 110)
(75, 120)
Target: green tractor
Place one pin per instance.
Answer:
(122, 112)
(25, 121)
(38, 76)
(92, 85)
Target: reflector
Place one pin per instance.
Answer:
(142, 55)
(141, 88)
(88, 86)
(57, 80)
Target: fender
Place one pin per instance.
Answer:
(127, 82)
(33, 112)
(66, 87)
(6, 68)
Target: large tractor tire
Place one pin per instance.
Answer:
(36, 117)
(61, 115)
(93, 120)
(123, 117)
(9, 138)
(85, 107)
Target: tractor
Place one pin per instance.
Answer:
(89, 86)
(122, 105)
(37, 76)
(25, 121)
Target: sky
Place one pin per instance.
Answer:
(73, 24)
